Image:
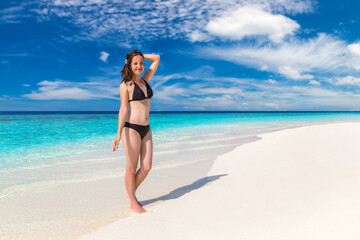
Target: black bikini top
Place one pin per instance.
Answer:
(139, 94)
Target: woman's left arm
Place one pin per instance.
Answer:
(155, 59)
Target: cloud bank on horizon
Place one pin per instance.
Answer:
(281, 64)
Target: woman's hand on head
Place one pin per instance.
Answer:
(116, 143)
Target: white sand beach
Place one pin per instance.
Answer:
(300, 183)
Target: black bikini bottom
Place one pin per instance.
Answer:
(141, 129)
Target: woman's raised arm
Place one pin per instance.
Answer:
(155, 59)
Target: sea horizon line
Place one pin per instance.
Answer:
(164, 112)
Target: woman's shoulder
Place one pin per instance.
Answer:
(126, 84)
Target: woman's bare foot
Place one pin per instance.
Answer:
(137, 208)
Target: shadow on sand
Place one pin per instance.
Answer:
(183, 190)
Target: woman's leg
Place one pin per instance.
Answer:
(132, 143)
(146, 154)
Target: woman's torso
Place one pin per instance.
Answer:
(139, 108)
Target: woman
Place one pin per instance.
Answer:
(135, 93)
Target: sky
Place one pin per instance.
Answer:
(216, 55)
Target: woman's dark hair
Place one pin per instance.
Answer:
(126, 72)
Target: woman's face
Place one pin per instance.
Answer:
(137, 64)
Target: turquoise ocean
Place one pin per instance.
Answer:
(43, 149)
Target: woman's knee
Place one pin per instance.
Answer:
(147, 168)
(131, 170)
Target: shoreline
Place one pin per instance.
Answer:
(285, 196)
(74, 209)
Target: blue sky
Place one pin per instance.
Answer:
(246, 55)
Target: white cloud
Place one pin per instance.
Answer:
(76, 3)
(295, 59)
(203, 73)
(305, 97)
(104, 56)
(354, 48)
(266, 97)
(12, 9)
(63, 93)
(198, 36)
(292, 7)
(51, 90)
(26, 85)
(229, 90)
(348, 80)
(171, 93)
(272, 105)
(252, 21)
(314, 82)
(193, 92)
(12, 14)
(292, 73)
(316, 92)
(226, 102)
(272, 81)
(355, 54)
(111, 20)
